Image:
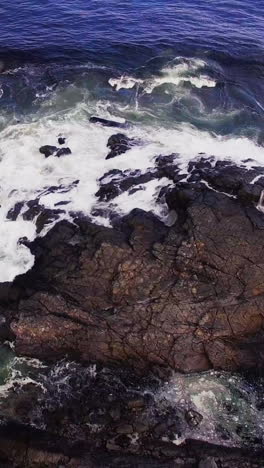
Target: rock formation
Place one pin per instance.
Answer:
(189, 297)
(143, 296)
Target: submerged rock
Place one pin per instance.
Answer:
(109, 123)
(193, 418)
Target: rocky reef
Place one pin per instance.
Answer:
(144, 299)
(188, 297)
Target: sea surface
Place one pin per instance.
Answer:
(189, 78)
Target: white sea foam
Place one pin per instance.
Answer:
(25, 174)
(224, 401)
(17, 370)
(125, 82)
(176, 73)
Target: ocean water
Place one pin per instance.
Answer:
(231, 406)
(188, 76)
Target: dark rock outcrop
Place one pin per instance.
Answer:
(14, 212)
(139, 296)
(25, 447)
(109, 123)
(133, 180)
(189, 297)
(42, 215)
(119, 144)
(49, 150)
(63, 152)
(61, 140)
(122, 182)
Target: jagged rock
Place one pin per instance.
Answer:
(119, 144)
(40, 214)
(117, 294)
(143, 273)
(224, 175)
(47, 216)
(167, 167)
(122, 182)
(210, 261)
(61, 140)
(193, 418)
(34, 209)
(133, 180)
(14, 212)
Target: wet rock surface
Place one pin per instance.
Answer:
(109, 123)
(189, 297)
(91, 416)
(32, 448)
(119, 144)
(61, 140)
(122, 181)
(49, 150)
(139, 295)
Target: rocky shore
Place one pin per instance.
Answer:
(143, 299)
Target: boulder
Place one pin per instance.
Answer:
(119, 144)
(61, 140)
(48, 150)
(63, 152)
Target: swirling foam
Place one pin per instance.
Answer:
(25, 174)
(186, 71)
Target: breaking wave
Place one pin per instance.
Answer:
(176, 106)
(177, 72)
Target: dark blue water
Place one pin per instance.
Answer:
(128, 32)
(85, 43)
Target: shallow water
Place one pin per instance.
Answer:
(231, 406)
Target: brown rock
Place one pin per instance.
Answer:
(187, 297)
